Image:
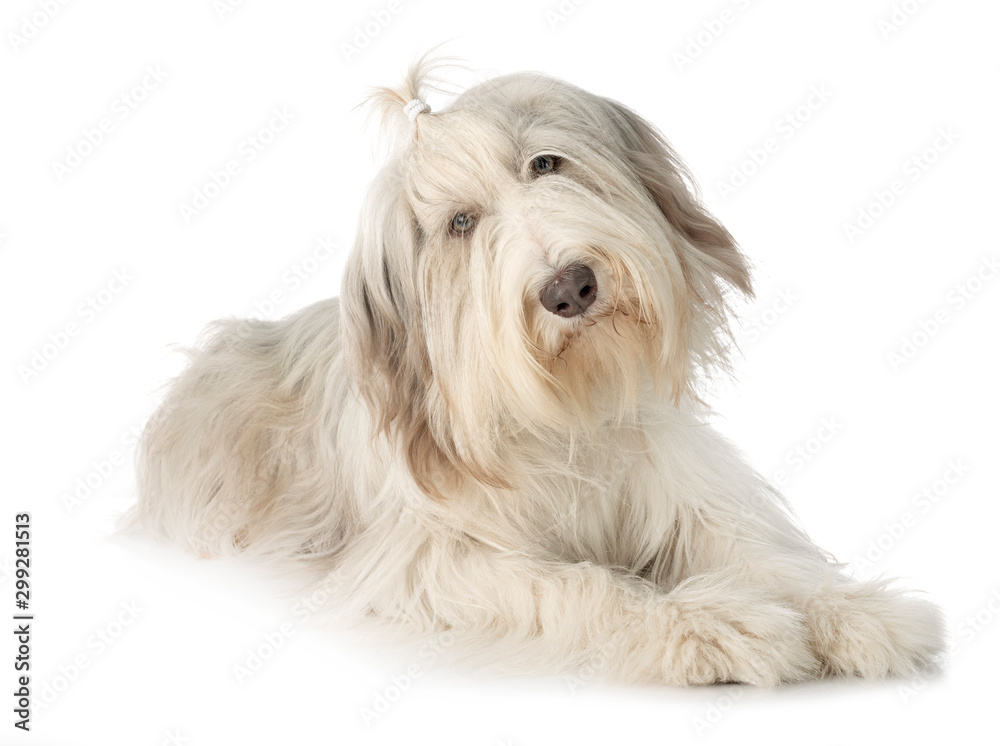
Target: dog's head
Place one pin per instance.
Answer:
(532, 260)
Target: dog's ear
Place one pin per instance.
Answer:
(385, 349)
(383, 333)
(380, 309)
(671, 186)
(707, 255)
(383, 316)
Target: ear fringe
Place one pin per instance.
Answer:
(675, 190)
(386, 106)
(711, 263)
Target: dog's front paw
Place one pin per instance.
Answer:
(868, 630)
(749, 642)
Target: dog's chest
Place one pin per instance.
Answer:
(598, 509)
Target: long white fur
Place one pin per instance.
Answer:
(467, 461)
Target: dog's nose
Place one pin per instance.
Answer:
(571, 291)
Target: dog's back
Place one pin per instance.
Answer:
(230, 460)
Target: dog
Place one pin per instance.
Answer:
(496, 430)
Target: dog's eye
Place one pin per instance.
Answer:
(545, 164)
(462, 223)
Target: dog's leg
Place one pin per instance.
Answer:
(868, 629)
(726, 521)
(859, 628)
(709, 630)
(854, 628)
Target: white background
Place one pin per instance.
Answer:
(817, 362)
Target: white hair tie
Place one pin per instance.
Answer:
(415, 108)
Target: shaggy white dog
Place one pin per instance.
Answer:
(496, 431)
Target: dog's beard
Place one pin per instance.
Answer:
(596, 365)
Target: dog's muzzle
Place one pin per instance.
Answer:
(570, 292)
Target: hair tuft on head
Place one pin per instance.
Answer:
(388, 106)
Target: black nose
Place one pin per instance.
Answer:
(571, 291)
